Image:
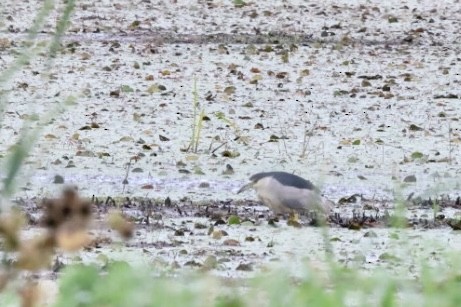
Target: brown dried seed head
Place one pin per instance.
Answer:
(127, 231)
(53, 213)
(10, 225)
(72, 240)
(118, 222)
(11, 222)
(70, 193)
(47, 203)
(67, 208)
(30, 294)
(36, 254)
(50, 222)
(85, 209)
(82, 209)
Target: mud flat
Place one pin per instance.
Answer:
(356, 97)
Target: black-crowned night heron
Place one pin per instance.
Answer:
(284, 193)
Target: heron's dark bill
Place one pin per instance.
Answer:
(245, 187)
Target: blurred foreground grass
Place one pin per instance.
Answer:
(119, 284)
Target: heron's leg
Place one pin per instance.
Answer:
(293, 219)
(293, 215)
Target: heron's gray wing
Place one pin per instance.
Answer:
(304, 199)
(294, 203)
(286, 179)
(293, 181)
